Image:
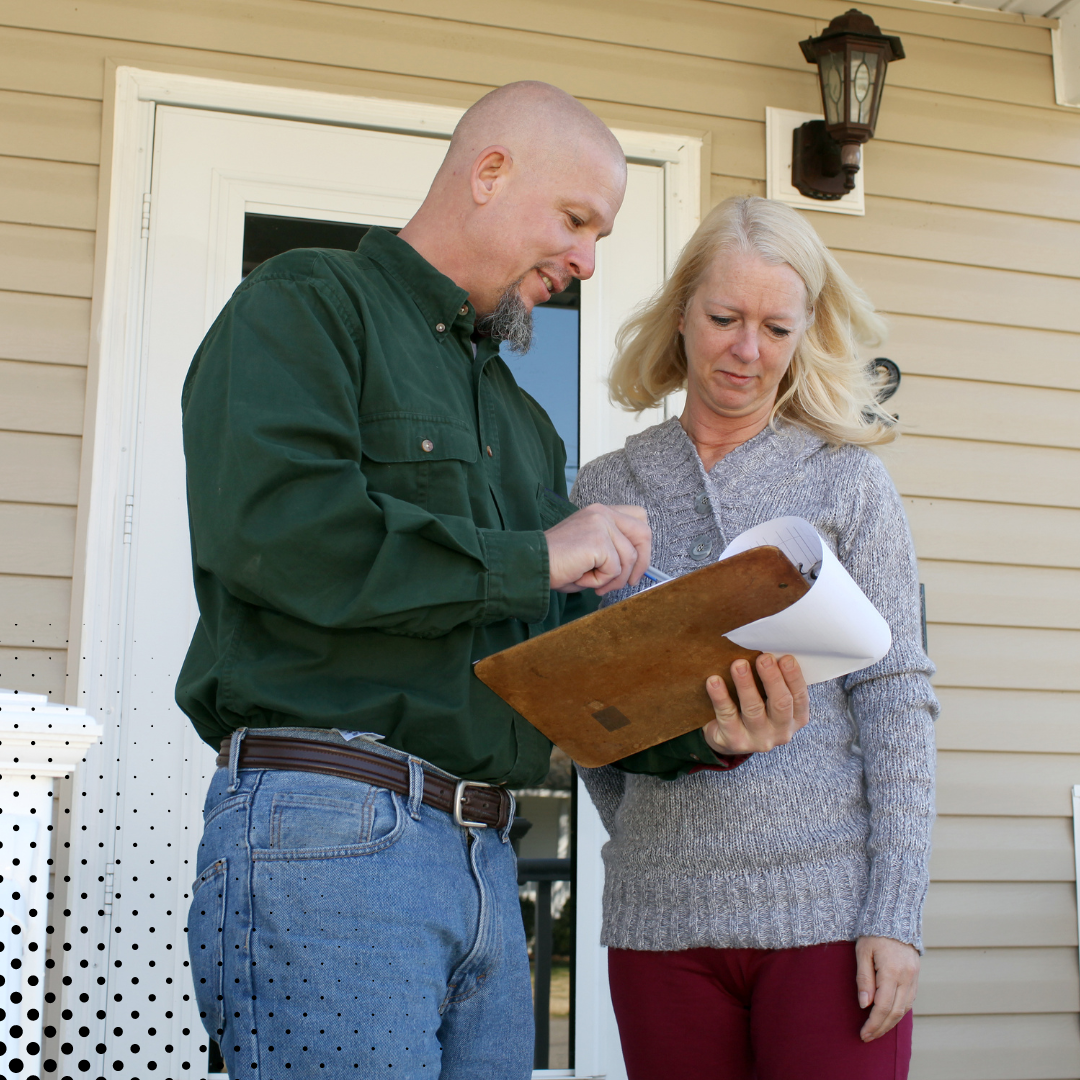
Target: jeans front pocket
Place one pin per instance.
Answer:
(206, 932)
(306, 826)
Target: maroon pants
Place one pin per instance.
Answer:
(749, 1014)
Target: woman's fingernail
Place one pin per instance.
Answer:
(788, 664)
(713, 681)
(766, 660)
(864, 999)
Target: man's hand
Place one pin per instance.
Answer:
(599, 547)
(755, 726)
(887, 976)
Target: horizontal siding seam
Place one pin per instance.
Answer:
(977, 382)
(58, 228)
(966, 265)
(1008, 626)
(954, 10)
(44, 577)
(908, 434)
(1005, 689)
(954, 319)
(49, 161)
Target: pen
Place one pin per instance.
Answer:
(650, 571)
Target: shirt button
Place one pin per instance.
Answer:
(490, 452)
(427, 446)
(464, 310)
(702, 505)
(440, 327)
(701, 549)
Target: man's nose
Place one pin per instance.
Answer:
(581, 259)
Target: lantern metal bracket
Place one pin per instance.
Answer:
(817, 168)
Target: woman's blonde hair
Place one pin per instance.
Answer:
(828, 387)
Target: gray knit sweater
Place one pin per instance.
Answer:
(827, 838)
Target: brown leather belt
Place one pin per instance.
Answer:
(472, 804)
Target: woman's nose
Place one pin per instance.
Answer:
(745, 347)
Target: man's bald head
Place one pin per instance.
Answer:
(531, 180)
(538, 123)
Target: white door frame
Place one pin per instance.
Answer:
(99, 631)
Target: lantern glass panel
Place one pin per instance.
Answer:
(832, 86)
(863, 76)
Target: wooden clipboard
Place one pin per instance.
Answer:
(633, 675)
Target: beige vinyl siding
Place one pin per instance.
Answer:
(970, 245)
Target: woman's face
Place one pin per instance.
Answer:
(740, 331)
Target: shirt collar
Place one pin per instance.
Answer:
(441, 301)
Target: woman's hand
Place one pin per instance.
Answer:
(755, 726)
(887, 976)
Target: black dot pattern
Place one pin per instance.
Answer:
(94, 977)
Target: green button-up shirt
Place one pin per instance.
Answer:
(367, 497)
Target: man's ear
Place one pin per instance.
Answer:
(490, 171)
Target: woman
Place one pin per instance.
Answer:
(763, 919)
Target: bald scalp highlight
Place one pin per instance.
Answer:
(538, 123)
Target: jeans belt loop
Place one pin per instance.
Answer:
(234, 758)
(504, 836)
(416, 788)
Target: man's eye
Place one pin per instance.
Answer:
(576, 221)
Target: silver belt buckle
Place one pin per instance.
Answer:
(459, 795)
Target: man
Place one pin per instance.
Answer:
(371, 512)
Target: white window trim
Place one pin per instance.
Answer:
(99, 618)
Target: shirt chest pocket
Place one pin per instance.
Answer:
(419, 459)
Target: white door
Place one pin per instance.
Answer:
(133, 997)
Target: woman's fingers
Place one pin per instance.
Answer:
(756, 724)
(895, 967)
(865, 976)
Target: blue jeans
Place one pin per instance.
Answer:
(338, 929)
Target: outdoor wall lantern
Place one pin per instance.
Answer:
(852, 55)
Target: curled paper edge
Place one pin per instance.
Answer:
(833, 630)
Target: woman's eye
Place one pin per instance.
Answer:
(780, 331)
(722, 320)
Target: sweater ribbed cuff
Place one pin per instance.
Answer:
(894, 900)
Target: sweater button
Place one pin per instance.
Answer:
(427, 446)
(490, 452)
(440, 327)
(701, 549)
(702, 505)
(464, 310)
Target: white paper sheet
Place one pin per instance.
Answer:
(833, 629)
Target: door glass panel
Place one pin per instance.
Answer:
(549, 371)
(546, 814)
(267, 235)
